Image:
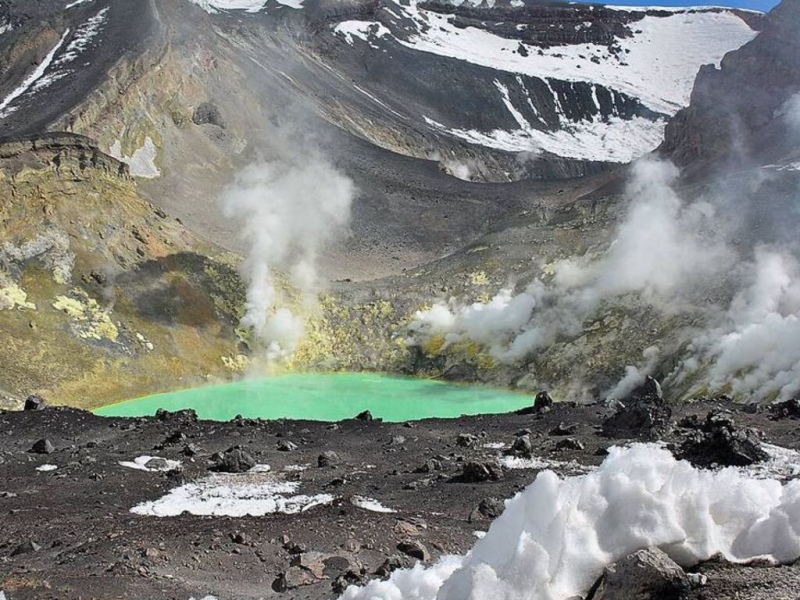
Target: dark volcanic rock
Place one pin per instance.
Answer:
(719, 442)
(26, 548)
(181, 416)
(477, 472)
(645, 575)
(790, 409)
(208, 113)
(644, 415)
(286, 446)
(34, 402)
(329, 458)
(365, 416)
(466, 440)
(522, 447)
(491, 508)
(570, 444)
(233, 460)
(414, 549)
(43, 447)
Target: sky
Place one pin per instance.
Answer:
(763, 5)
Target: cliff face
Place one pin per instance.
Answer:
(100, 291)
(735, 115)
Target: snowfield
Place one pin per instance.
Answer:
(554, 538)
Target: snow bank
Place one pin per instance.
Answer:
(232, 496)
(140, 464)
(555, 537)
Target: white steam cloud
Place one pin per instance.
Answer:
(665, 252)
(662, 248)
(792, 112)
(554, 538)
(288, 210)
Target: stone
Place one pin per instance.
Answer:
(414, 549)
(430, 466)
(569, 444)
(241, 538)
(389, 565)
(790, 409)
(26, 548)
(286, 446)
(329, 458)
(491, 508)
(34, 402)
(522, 447)
(564, 429)
(293, 578)
(643, 415)
(466, 440)
(718, 441)
(43, 447)
(156, 464)
(542, 402)
(478, 472)
(644, 575)
(233, 460)
(365, 416)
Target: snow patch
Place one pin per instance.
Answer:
(364, 30)
(5, 108)
(657, 64)
(216, 6)
(554, 538)
(76, 3)
(142, 161)
(44, 469)
(370, 504)
(233, 496)
(140, 463)
(616, 140)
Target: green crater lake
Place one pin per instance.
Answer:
(328, 397)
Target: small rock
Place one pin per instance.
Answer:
(26, 548)
(466, 440)
(430, 466)
(397, 440)
(150, 553)
(522, 447)
(190, 450)
(790, 409)
(645, 575)
(43, 447)
(389, 565)
(34, 402)
(329, 458)
(564, 429)
(295, 548)
(365, 416)
(241, 538)
(286, 446)
(414, 549)
(233, 460)
(718, 441)
(156, 464)
(569, 444)
(697, 580)
(491, 508)
(477, 472)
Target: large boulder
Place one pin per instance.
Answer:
(644, 415)
(233, 460)
(717, 441)
(644, 575)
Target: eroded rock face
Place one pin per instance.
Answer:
(735, 110)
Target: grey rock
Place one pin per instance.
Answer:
(414, 549)
(522, 447)
(34, 402)
(286, 446)
(233, 460)
(477, 472)
(43, 447)
(644, 575)
(26, 548)
(329, 458)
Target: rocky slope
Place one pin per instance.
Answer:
(100, 290)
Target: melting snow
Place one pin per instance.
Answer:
(364, 30)
(657, 64)
(370, 504)
(76, 3)
(44, 469)
(142, 162)
(140, 463)
(233, 496)
(5, 109)
(251, 6)
(555, 537)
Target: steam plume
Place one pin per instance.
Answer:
(289, 210)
